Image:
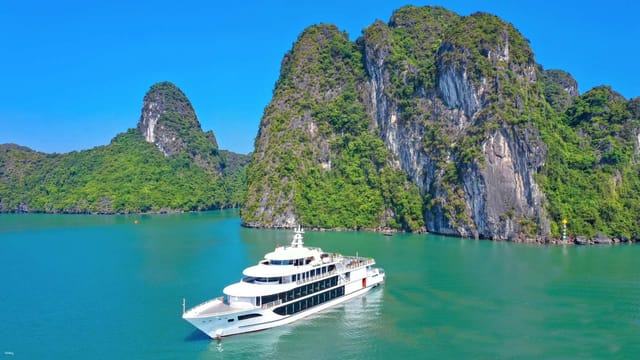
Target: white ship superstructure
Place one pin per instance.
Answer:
(290, 283)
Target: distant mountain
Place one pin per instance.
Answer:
(167, 164)
(445, 123)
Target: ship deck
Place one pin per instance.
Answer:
(212, 307)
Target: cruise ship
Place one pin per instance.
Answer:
(290, 283)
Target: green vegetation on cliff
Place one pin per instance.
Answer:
(592, 177)
(180, 170)
(128, 175)
(440, 95)
(315, 157)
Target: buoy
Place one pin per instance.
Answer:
(135, 222)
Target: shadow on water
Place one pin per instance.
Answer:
(197, 335)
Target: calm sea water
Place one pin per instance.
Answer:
(104, 287)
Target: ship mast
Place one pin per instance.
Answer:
(297, 238)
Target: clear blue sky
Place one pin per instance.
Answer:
(73, 73)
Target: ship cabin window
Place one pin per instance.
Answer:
(311, 301)
(239, 299)
(298, 262)
(267, 280)
(269, 298)
(281, 262)
(248, 316)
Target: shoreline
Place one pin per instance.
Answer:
(577, 240)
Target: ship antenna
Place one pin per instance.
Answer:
(297, 238)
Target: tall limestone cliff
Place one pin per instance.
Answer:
(472, 128)
(456, 110)
(315, 160)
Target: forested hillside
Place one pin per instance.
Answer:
(316, 161)
(130, 174)
(446, 123)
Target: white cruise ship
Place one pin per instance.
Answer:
(290, 283)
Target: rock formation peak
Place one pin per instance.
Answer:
(167, 116)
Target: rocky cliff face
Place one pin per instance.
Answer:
(461, 107)
(315, 160)
(493, 192)
(169, 121)
(289, 132)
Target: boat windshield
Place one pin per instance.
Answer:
(281, 262)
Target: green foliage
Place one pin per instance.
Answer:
(592, 175)
(475, 37)
(353, 186)
(554, 83)
(358, 189)
(317, 148)
(343, 113)
(127, 176)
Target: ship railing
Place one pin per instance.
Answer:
(198, 308)
(353, 262)
(269, 305)
(317, 277)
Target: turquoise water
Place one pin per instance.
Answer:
(104, 287)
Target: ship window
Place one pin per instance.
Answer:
(281, 310)
(230, 320)
(269, 298)
(248, 316)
